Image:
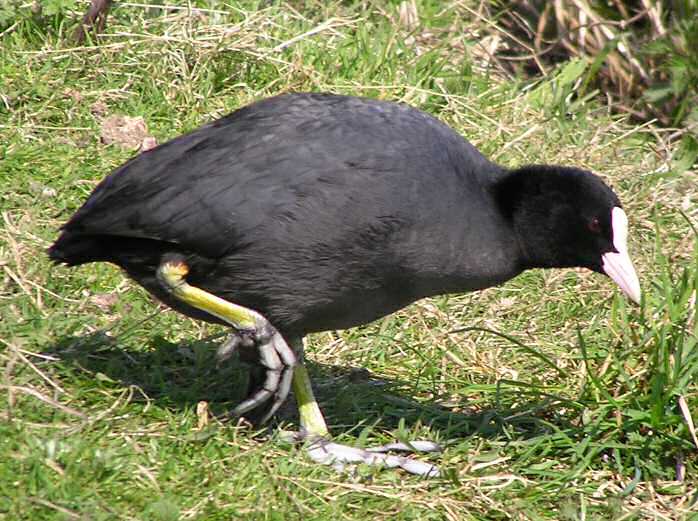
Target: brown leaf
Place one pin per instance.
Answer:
(149, 142)
(99, 108)
(104, 301)
(125, 131)
(73, 94)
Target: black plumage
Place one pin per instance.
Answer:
(322, 211)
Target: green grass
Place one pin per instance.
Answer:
(100, 395)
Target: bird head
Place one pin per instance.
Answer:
(568, 217)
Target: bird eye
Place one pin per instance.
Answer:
(595, 225)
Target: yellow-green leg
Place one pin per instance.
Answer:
(275, 355)
(283, 370)
(312, 421)
(324, 451)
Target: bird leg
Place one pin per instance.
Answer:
(277, 358)
(312, 421)
(283, 370)
(322, 450)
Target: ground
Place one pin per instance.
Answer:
(554, 397)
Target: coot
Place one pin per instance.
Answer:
(309, 212)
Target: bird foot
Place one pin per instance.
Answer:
(274, 356)
(326, 452)
(252, 330)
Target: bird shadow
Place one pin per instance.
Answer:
(180, 375)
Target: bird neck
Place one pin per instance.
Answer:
(521, 196)
(481, 252)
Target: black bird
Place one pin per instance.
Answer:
(309, 212)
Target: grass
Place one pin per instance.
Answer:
(555, 398)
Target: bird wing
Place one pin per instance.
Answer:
(277, 161)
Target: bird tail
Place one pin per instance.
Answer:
(74, 250)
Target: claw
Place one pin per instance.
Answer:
(328, 453)
(325, 452)
(410, 446)
(228, 348)
(280, 396)
(278, 359)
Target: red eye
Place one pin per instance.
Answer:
(595, 225)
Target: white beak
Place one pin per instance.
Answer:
(618, 266)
